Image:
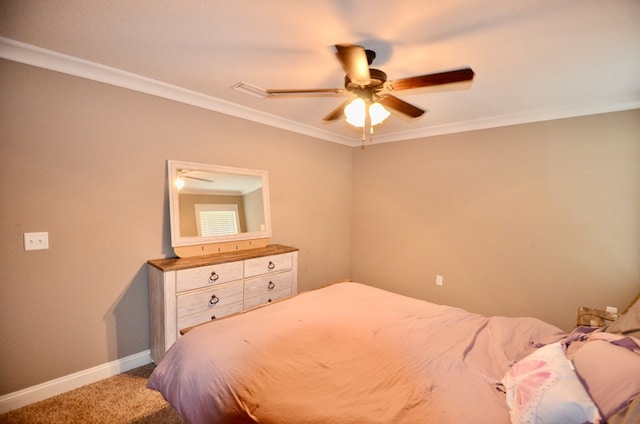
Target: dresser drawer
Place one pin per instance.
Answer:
(195, 278)
(202, 317)
(263, 286)
(210, 300)
(267, 264)
(254, 302)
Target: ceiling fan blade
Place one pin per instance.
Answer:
(199, 179)
(447, 77)
(401, 106)
(337, 112)
(354, 61)
(305, 92)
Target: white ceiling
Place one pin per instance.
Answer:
(534, 59)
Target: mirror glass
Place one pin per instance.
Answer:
(212, 204)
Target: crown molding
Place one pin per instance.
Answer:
(569, 111)
(70, 65)
(54, 61)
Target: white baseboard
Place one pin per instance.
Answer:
(60, 385)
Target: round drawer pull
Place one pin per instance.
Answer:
(213, 317)
(214, 300)
(213, 277)
(271, 265)
(269, 301)
(271, 285)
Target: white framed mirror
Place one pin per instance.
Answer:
(217, 208)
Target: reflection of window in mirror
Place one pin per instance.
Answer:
(216, 220)
(189, 203)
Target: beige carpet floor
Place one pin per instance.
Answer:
(123, 398)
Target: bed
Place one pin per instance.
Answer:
(351, 353)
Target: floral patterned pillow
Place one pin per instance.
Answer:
(544, 388)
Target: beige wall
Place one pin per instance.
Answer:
(253, 205)
(87, 163)
(534, 219)
(527, 220)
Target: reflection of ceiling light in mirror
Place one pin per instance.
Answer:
(179, 183)
(355, 113)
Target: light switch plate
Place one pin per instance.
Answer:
(36, 241)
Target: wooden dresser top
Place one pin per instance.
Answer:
(173, 264)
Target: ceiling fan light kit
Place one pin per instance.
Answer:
(370, 87)
(356, 112)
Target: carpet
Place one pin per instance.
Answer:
(123, 398)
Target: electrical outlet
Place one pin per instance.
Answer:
(439, 280)
(36, 241)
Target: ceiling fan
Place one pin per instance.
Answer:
(182, 174)
(371, 86)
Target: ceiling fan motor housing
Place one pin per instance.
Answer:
(376, 81)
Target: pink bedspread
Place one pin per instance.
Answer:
(347, 353)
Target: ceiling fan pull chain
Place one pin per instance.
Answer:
(368, 128)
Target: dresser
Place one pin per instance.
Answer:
(184, 292)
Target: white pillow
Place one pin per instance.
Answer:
(544, 388)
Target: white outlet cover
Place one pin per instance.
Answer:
(36, 241)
